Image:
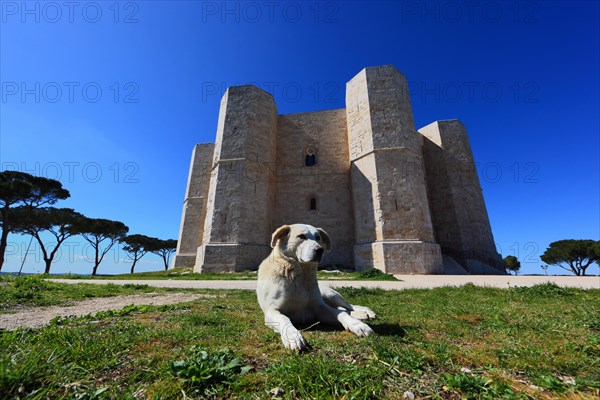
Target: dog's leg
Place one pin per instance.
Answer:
(333, 316)
(335, 300)
(290, 336)
(360, 312)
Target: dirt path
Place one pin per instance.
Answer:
(33, 317)
(405, 282)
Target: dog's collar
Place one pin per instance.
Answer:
(285, 268)
(283, 263)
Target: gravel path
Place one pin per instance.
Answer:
(33, 317)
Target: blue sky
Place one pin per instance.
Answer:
(110, 97)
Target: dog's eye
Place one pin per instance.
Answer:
(303, 237)
(317, 238)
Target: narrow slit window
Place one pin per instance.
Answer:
(310, 160)
(310, 157)
(313, 203)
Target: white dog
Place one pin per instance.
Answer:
(288, 291)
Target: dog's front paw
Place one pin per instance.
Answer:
(292, 339)
(360, 312)
(360, 329)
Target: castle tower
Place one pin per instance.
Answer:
(194, 206)
(391, 197)
(240, 198)
(393, 229)
(460, 218)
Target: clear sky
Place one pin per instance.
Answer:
(110, 98)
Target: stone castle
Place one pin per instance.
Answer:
(390, 197)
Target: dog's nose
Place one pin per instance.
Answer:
(320, 252)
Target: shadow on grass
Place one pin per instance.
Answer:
(381, 329)
(395, 330)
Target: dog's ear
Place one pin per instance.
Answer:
(279, 233)
(326, 239)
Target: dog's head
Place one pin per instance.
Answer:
(303, 243)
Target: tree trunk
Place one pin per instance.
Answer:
(573, 268)
(50, 258)
(166, 262)
(3, 243)
(133, 265)
(48, 263)
(585, 267)
(4, 237)
(96, 262)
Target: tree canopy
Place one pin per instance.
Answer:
(572, 255)
(136, 247)
(24, 190)
(62, 223)
(33, 191)
(164, 249)
(25, 208)
(97, 231)
(512, 264)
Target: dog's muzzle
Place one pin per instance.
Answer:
(319, 253)
(310, 253)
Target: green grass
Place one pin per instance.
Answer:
(33, 290)
(449, 343)
(187, 274)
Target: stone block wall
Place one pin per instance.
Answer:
(385, 150)
(327, 182)
(240, 200)
(194, 206)
(456, 200)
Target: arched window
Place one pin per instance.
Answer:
(310, 156)
(313, 203)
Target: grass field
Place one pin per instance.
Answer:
(187, 274)
(468, 342)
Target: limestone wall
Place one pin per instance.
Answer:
(460, 216)
(194, 205)
(327, 181)
(386, 153)
(240, 197)
(441, 200)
